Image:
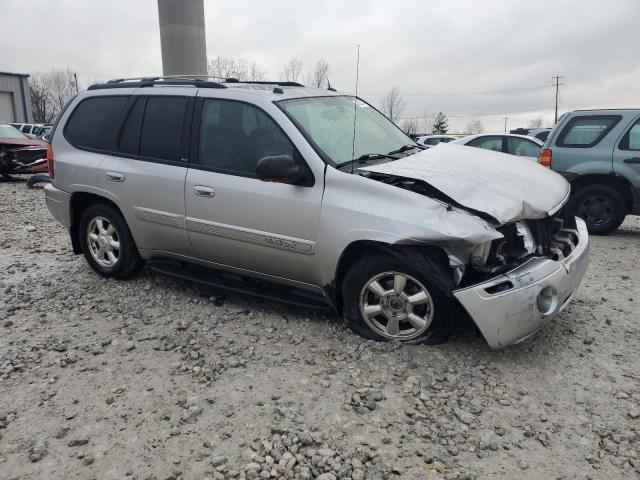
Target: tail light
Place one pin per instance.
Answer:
(544, 158)
(50, 162)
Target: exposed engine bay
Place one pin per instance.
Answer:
(552, 237)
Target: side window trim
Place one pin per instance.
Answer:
(194, 145)
(559, 142)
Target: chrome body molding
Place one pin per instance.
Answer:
(267, 239)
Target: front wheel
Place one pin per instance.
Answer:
(389, 298)
(107, 243)
(600, 206)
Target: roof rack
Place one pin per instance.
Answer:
(182, 80)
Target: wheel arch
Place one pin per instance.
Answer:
(79, 203)
(357, 249)
(620, 183)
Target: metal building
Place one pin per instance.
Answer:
(15, 104)
(182, 37)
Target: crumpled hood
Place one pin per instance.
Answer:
(507, 187)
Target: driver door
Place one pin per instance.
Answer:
(235, 220)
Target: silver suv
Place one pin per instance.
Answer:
(262, 188)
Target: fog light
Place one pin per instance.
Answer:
(547, 300)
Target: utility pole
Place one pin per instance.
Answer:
(505, 123)
(557, 79)
(75, 77)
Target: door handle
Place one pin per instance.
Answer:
(203, 191)
(632, 160)
(114, 176)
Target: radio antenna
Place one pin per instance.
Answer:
(355, 112)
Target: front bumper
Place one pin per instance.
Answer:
(515, 305)
(58, 202)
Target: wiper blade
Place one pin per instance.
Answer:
(404, 148)
(370, 156)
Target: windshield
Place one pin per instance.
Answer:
(7, 131)
(328, 122)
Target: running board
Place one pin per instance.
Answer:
(239, 284)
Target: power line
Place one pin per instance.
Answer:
(466, 115)
(487, 92)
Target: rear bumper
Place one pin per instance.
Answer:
(58, 203)
(534, 293)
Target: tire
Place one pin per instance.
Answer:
(108, 228)
(429, 273)
(601, 207)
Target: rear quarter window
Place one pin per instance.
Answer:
(94, 121)
(586, 131)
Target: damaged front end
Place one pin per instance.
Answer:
(513, 285)
(516, 300)
(18, 159)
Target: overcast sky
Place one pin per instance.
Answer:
(442, 55)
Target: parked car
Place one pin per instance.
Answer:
(431, 140)
(520, 145)
(20, 154)
(31, 130)
(598, 151)
(261, 188)
(539, 133)
(44, 132)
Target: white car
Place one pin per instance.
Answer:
(431, 140)
(520, 145)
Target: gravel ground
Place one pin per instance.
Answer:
(158, 379)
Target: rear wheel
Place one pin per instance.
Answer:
(389, 298)
(601, 207)
(107, 243)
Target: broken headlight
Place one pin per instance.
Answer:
(517, 242)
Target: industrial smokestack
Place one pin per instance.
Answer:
(182, 37)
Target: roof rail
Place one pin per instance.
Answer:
(169, 80)
(187, 80)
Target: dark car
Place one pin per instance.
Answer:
(20, 154)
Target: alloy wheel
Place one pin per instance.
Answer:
(396, 306)
(104, 241)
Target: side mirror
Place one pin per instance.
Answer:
(280, 169)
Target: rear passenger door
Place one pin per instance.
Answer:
(626, 154)
(146, 174)
(236, 220)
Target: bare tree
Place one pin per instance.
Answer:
(256, 73)
(536, 122)
(292, 70)
(49, 92)
(410, 126)
(426, 123)
(392, 104)
(41, 108)
(474, 126)
(61, 87)
(241, 69)
(320, 75)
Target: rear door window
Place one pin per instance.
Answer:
(488, 143)
(130, 136)
(631, 139)
(522, 147)
(94, 121)
(586, 131)
(161, 133)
